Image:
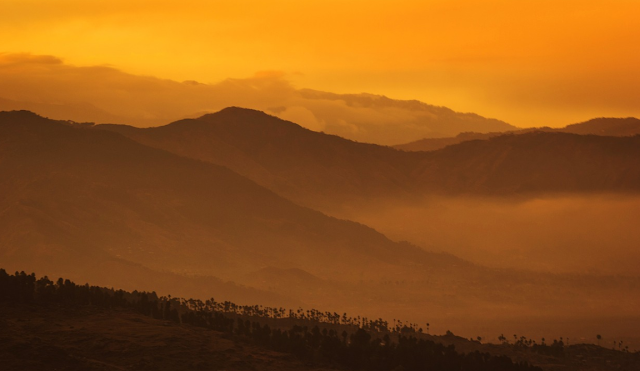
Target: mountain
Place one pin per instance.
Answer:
(608, 126)
(306, 166)
(104, 94)
(327, 172)
(433, 144)
(617, 127)
(534, 163)
(378, 119)
(79, 112)
(74, 199)
(94, 205)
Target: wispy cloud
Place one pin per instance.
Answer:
(104, 94)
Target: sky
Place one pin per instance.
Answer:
(529, 63)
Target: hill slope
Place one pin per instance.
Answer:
(537, 162)
(604, 126)
(300, 164)
(609, 126)
(72, 197)
(325, 171)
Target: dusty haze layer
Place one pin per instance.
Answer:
(530, 63)
(106, 95)
(96, 205)
(565, 233)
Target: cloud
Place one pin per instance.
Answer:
(302, 116)
(53, 88)
(7, 59)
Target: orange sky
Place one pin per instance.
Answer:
(530, 63)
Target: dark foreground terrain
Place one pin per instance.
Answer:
(63, 326)
(90, 338)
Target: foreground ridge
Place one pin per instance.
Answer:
(358, 348)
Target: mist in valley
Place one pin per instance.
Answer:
(580, 234)
(561, 265)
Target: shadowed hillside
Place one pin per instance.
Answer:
(87, 203)
(329, 172)
(609, 126)
(605, 126)
(60, 324)
(306, 166)
(537, 162)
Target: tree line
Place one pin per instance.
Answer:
(368, 345)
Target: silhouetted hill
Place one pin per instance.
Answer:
(94, 205)
(608, 126)
(102, 94)
(433, 144)
(325, 171)
(74, 199)
(537, 162)
(63, 325)
(618, 127)
(306, 166)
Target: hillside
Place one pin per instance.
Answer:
(433, 144)
(89, 338)
(608, 126)
(76, 200)
(328, 172)
(604, 126)
(308, 167)
(61, 325)
(534, 163)
(96, 206)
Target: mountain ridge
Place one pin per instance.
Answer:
(80, 188)
(603, 126)
(326, 172)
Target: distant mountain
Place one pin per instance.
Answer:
(617, 127)
(325, 171)
(433, 144)
(79, 112)
(84, 202)
(306, 166)
(609, 126)
(378, 119)
(102, 94)
(534, 163)
(94, 205)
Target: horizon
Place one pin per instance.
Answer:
(531, 65)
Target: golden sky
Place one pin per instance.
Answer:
(530, 63)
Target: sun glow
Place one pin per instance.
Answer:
(528, 63)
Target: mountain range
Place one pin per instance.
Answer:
(75, 197)
(102, 94)
(604, 126)
(326, 171)
(201, 207)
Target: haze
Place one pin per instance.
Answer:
(528, 63)
(570, 234)
(471, 164)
